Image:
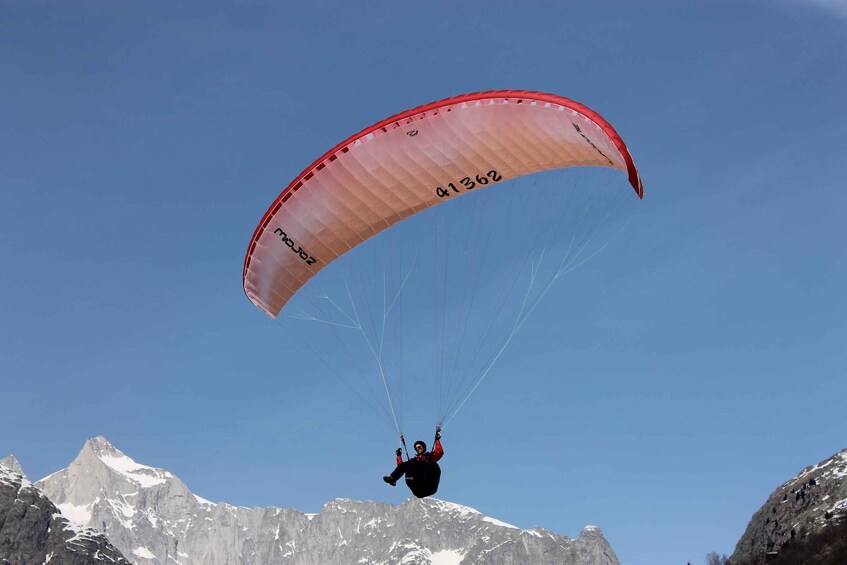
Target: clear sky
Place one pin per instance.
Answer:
(661, 393)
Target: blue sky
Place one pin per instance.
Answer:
(662, 392)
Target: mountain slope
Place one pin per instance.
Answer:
(154, 519)
(807, 504)
(33, 531)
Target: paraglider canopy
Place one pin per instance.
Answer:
(410, 162)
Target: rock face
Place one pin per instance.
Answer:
(809, 502)
(154, 519)
(33, 531)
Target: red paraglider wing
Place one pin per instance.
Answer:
(410, 162)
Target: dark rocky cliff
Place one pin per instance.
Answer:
(805, 506)
(33, 531)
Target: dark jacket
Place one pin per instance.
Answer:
(422, 471)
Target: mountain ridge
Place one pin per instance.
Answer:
(153, 518)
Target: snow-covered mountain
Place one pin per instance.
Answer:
(33, 531)
(152, 517)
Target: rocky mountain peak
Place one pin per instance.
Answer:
(102, 478)
(10, 462)
(10, 476)
(112, 465)
(100, 446)
(591, 532)
(107, 462)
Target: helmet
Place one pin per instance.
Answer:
(417, 443)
